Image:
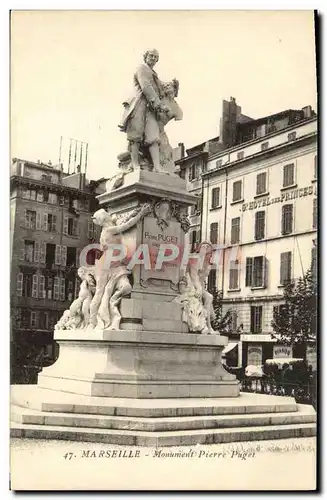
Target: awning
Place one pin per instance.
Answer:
(282, 361)
(229, 347)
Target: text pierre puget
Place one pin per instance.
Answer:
(160, 453)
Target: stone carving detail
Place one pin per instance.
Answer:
(103, 285)
(164, 211)
(146, 113)
(195, 300)
(182, 218)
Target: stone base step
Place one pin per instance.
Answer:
(304, 414)
(36, 398)
(171, 438)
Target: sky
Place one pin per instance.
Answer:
(71, 71)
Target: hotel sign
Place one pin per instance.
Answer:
(290, 195)
(257, 338)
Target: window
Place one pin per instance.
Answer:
(19, 288)
(91, 229)
(192, 172)
(291, 136)
(237, 191)
(42, 287)
(212, 280)
(56, 284)
(62, 289)
(259, 228)
(43, 320)
(285, 267)
(70, 226)
(233, 275)
(219, 163)
(287, 219)
(29, 251)
(33, 319)
(63, 255)
(256, 319)
(33, 194)
(26, 194)
(27, 285)
(198, 205)
(288, 175)
(314, 214)
(30, 219)
(240, 155)
(262, 183)
(58, 255)
(255, 274)
(264, 146)
(53, 199)
(315, 168)
(45, 177)
(214, 233)
(51, 223)
(35, 281)
(215, 197)
(235, 231)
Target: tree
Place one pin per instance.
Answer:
(222, 322)
(295, 322)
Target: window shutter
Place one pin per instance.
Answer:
(43, 250)
(58, 255)
(45, 222)
(56, 283)
(248, 273)
(36, 251)
(64, 255)
(20, 278)
(38, 220)
(54, 223)
(252, 319)
(35, 286)
(90, 229)
(75, 227)
(41, 287)
(62, 288)
(198, 236)
(214, 233)
(65, 225)
(78, 253)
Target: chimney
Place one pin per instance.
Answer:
(181, 145)
(307, 112)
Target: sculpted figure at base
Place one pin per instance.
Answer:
(146, 113)
(194, 298)
(78, 315)
(112, 282)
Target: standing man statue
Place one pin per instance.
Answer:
(142, 119)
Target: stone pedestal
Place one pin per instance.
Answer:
(136, 364)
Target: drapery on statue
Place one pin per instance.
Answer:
(104, 284)
(150, 108)
(195, 300)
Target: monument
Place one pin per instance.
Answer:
(139, 362)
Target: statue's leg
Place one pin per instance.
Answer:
(104, 311)
(96, 301)
(134, 146)
(155, 157)
(86, 310)
(207, 300)
(123, 288)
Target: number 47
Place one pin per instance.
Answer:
(68, 456)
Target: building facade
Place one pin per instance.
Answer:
(259, 207)
(50, 225)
